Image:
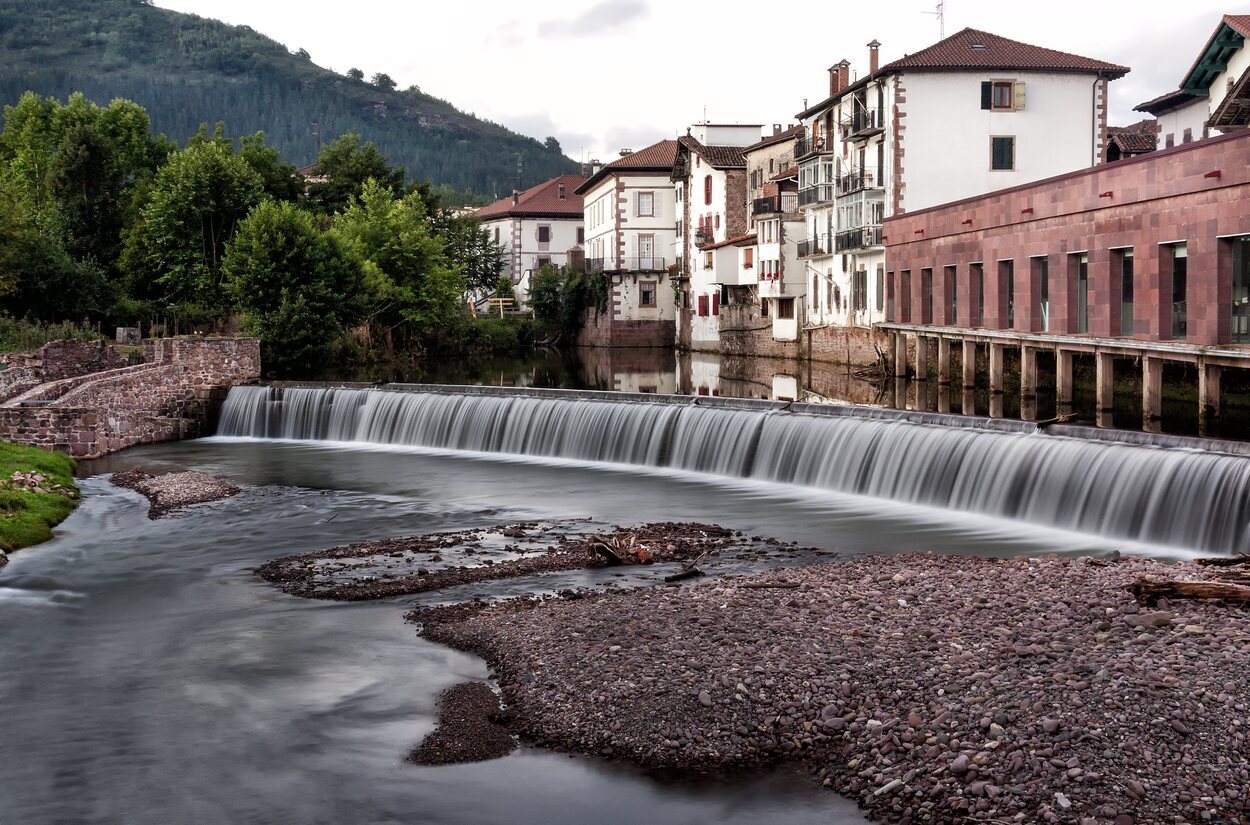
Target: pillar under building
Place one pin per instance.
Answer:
(1152, 394)
(1104, 380)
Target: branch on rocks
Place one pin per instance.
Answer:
(1149, 591)
(615, 550)
(1239, 559)
(771, 585)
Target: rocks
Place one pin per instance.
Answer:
(173, 491)
(4, 558)
(469, 728)
(705, 699)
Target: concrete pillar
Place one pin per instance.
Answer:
(970, 365)
(968, 403)
(1208, 395)
(1063, 380)
(1152, 394)
(944, 361)
(996, 368)
(900, 390)
(900, 355)
(944, 398)
(922, 358)
(1028, 373)
(1104, 380)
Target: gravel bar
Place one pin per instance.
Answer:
(469, 728)
(928, 688)
(173, 491)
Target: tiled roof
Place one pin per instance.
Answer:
(718, 157)
(1165, 102)
(657, 156)
(543, 199)
(788, 172)
(729, 242)
(1240, 23)
(1135, 139)
(971, 50)
(789, 134)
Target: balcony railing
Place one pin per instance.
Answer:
(811, 247)
(859, 179)
(862, 238)
(821, 193)
(807, 145)
(865, 123)
(635, 264)
(785, 202)
(702, 236)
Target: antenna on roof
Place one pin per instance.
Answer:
(940, 14)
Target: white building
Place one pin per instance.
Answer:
(1214, 96)
(710, 175)
(971, 114)
(772, 194)
(630, 217)
(536, 227)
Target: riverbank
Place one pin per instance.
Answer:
(928, 688)
(37, 492)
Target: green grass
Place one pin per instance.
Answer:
(27, 517)
(18, 335)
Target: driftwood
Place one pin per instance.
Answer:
(689, 569)
(1234, 561)
(1149, 591)
(614, 550)
(771, 585)
(1058, 419)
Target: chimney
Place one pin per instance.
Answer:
(514, 196)
(776, 129)
(839, 77)
(560, 191)
(595, 167)
(626, 152)
(874, 57)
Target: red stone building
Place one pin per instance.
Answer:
(1154, 248)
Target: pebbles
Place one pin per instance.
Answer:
(1024, 690)
(469, 728)
(172, 491)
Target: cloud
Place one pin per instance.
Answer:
(605, 15)
(1159, 57)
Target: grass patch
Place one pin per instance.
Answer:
(28, 516)
(20, 335)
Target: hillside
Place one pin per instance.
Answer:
(186, 70)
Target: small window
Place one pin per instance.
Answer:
(544, 234)
(703, 299)
(646, 204)
(1002, 95)
(707, 190)
(496, 234)
(1003, 154)
(581, 234)
(763, 307)
(646, 293)
(748, 258)
(785, 308)
(544, 262)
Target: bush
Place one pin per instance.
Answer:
(18, 335)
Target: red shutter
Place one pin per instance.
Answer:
(707, 189)
(716, 303)
(702, 305)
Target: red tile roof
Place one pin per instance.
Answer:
(1240, 23)
(542, 200)
(656, 157)
(789, 134)
(971, 50)
(718, 157)
(788, 172)
(1135, 139)
(729, 242)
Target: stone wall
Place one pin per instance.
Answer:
(89, 433)
(16, 380)
(745, 331)
(71, 358)
(599, 329)
(849, 346)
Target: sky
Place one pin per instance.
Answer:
(606, 75)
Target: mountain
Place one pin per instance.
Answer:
(187, 70)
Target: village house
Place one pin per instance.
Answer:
(1214, 95)
(630, 217)
(536, 227)
(709, 172)
(973, 113)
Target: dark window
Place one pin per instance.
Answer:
(1238, 252)
(1041, 274)
(544, 262)
(1126, 291)
(926, 295)
(763, 307)
(646, 293)
(581, 234)
(785, 308)
(544, 234)
(987, 94)
(1180, 278)
(904, 296)
(496, 234)
(1007, 293)
(976, 288)
(880, 287)
(1003, 153)
(952, 296)
(1080, 263)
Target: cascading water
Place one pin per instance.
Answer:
(1184, 498)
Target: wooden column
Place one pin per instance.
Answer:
(1152, 394)
(1105, 380)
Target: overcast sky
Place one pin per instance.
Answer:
(602, 76)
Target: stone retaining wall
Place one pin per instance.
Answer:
(89, 433)
(72, 358)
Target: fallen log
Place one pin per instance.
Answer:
(771, 585)
(689, 573)
(1224, 561)
(1149, 591)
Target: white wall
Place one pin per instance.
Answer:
(1191, 116)
(1238, 64)
(726, 135)
(519, 238)
(616, 198)
(947, 138)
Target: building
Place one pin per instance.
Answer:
(1214, 95)
(709, 172)
(629, 210)
(1147, 258)
(973, 113)
(536, 227)
(1131, 141)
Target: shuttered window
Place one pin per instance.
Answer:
(707, 189)
(1003, 153)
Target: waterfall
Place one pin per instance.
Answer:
(1178, 497)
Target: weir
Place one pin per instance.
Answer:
(1164, 492)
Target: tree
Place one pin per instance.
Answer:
(346, 165)
(277, 177)
(469, 248)
(384, 82)
(355, 74)
(409, 287)
(545, 295)
(175, 251)
(552, 145)
(295, 285)
(303, 54)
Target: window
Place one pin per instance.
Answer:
(581, 234)
(1125, 260)
(952, 295)
(702, 305)
(1003, 154)
(880, 287)
(496, 234)
(1180, 273)
(646, 293)
(707, 190)
(544, 262)
(544, 234)
(1041, 276)
(1080, 266)
(646, 205)
(748, 258)
(1002, 95)
(1007, 294)
(763, 307)
(716, 303)
(926, 295)
(976, 287)
(785, 308)
(1237, 252)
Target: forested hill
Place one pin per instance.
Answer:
(187, 70)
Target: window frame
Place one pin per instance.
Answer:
(993, 157)
(650, 213)
(544, 227)
(654, 287)
(1010, 86)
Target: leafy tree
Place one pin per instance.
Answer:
(410, 288)
(546, 288)
(355, 74)
(346, 165)
(383, 81)
(175, 251)
(278, 178)
(294, 284)
(471, 249)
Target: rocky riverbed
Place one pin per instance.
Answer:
(929, 688)
(172, 491)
